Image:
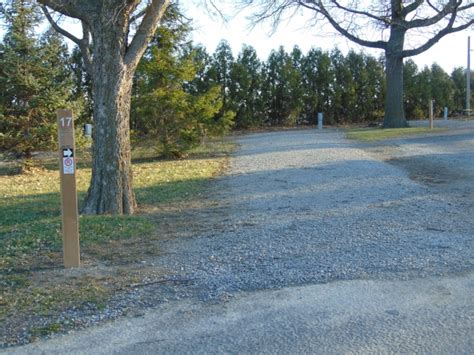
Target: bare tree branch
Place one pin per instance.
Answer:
(213, 8)
(86, 48)
(468, 6)
(271, 10)
(137, 16)
(57, 28)
(319, 7)
(364, 13)
(432, 41)
(71, 8)
(146, 30)
(450, 8)
(412, 7)
(82, 43)
(432, 6)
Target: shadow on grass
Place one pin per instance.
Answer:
(32, 224)
(9, 168)
(169, 192)
(49, 161)
(190, 156)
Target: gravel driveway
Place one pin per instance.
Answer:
(301, 208)
(304, 207)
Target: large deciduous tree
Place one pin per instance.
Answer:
(385, 25)
(111, 55)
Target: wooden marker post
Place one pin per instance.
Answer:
(67, 170)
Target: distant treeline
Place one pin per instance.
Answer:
(290, 88)
(182, 94)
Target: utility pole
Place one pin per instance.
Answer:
(468, 77)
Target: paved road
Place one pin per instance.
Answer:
(422, 316)
(317, 245)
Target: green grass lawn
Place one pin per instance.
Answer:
(30, 236)
(376, 134)
(30, 203)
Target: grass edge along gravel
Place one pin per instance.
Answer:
(378, 134)
(30, 240)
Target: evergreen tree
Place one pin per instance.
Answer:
(424, 93)
(280, 80)
(344, 90)
(247, 80)
(167, 103)
(220, 73)
(368, 83)
(375, 91)
(294, 73)
(310, 86)
(410, 73)
(442, 89)
(458, 77)
(35, 82)
(203, 80)
(357, 88)
(317, 78)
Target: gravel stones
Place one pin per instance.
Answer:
(304, 206)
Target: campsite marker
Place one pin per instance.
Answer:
(67, 170)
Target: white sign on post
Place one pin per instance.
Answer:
(68, 161)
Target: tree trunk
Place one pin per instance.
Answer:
(394, 110)
(110, 190)
(110, 56)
